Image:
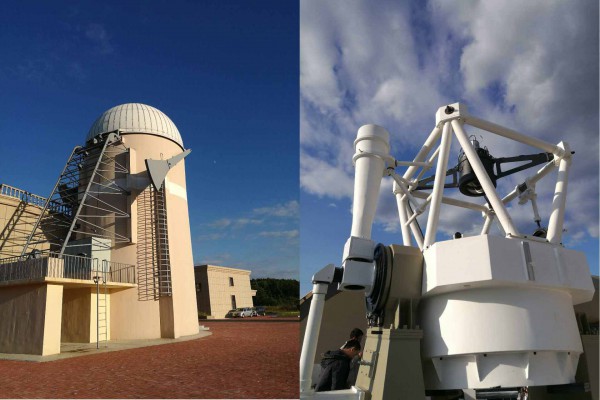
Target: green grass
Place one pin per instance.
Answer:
(288, 313)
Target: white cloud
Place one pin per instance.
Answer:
(286, 210)
(292, 234)
(323, 179)
(97, 34)
(221, 223)
(532, 67)
(211, 236)
(221, 259)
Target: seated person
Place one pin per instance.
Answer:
(335, 366)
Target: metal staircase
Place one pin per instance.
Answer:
(18, 227)
(10, 237)
(84, 201)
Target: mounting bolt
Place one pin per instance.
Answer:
(449, 110)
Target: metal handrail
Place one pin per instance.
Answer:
(30, 198)
(68, 267)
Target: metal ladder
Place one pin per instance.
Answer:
(162, 236)
(101, 304)
(153, 256)
(147, 263)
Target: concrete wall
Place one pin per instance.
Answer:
(30, 319)
(76, 317)
(185, 312)
(132, 318)
(52, 322)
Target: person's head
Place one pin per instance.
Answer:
(356, 334)
(351, 348)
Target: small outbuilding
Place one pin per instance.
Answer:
(220, 289)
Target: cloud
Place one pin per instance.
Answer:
(36, 71)
(221, 223)
(211, 236)
(216, 259)
(292, 234)
(395, 63)
(255, 217)
(286, 210)
(241, 222)
(236, 241)
(236, 223)
(97, 34)
(324, 179)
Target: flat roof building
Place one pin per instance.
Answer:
(220, 289)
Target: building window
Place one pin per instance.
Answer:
(198, 286)
(230, 281)
(233, 305)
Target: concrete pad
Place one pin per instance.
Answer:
(69, 350)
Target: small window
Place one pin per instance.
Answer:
(233, 305)
(230, 281)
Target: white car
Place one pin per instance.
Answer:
(240, 312)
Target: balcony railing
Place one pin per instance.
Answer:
(22, 195)
(49, 265)
(30, 198)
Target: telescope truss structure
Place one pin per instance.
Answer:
(412, 202)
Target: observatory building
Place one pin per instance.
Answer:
(107, 255)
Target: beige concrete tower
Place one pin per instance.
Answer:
(164, 304)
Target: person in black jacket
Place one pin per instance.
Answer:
(356, 334)
(335, 366)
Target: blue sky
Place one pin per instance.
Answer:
(225, 72)
(531, 66)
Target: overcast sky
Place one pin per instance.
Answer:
(530, 66)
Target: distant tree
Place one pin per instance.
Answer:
(276, 292)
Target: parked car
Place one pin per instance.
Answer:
(261, 310)
(240, 313)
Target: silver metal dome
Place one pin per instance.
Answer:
(136, 118)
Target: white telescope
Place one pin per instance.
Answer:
(468, 313)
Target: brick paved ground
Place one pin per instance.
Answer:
(250, 358)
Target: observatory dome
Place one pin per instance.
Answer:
(135, 118)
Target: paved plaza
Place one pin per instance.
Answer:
(250, 358)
